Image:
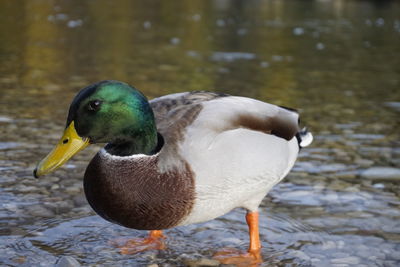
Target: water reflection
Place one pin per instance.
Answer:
(335, 60)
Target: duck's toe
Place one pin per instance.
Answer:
(238, 258)
(155, 241)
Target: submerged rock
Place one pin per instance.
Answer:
(201, 262)
(346, 260)
(381, 173)
(67, 261)
(40, 211)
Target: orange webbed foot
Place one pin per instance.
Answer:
(155, 241)
(238, 258)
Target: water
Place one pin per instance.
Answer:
(337, 61)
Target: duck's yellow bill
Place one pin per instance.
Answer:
(69, 144)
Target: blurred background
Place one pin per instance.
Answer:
(337, 61)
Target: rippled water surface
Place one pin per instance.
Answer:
(338, 62)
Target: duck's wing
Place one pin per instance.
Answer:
(180, 110)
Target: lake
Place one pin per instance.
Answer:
(338, 62)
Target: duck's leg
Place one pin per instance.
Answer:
(250, 258)
(153, 242)
(255, 245)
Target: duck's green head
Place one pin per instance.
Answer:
(106, 112)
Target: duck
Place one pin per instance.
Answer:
(178, 159)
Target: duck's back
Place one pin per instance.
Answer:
(237, 147)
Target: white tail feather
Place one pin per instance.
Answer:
(306, 138)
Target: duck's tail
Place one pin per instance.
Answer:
(304, 137)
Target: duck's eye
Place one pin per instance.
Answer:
(94, 105)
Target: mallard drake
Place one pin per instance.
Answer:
(178, 159)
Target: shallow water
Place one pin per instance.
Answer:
(337, 61)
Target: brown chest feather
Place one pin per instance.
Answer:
(134, 194)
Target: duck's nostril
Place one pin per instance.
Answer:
(65, 141)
